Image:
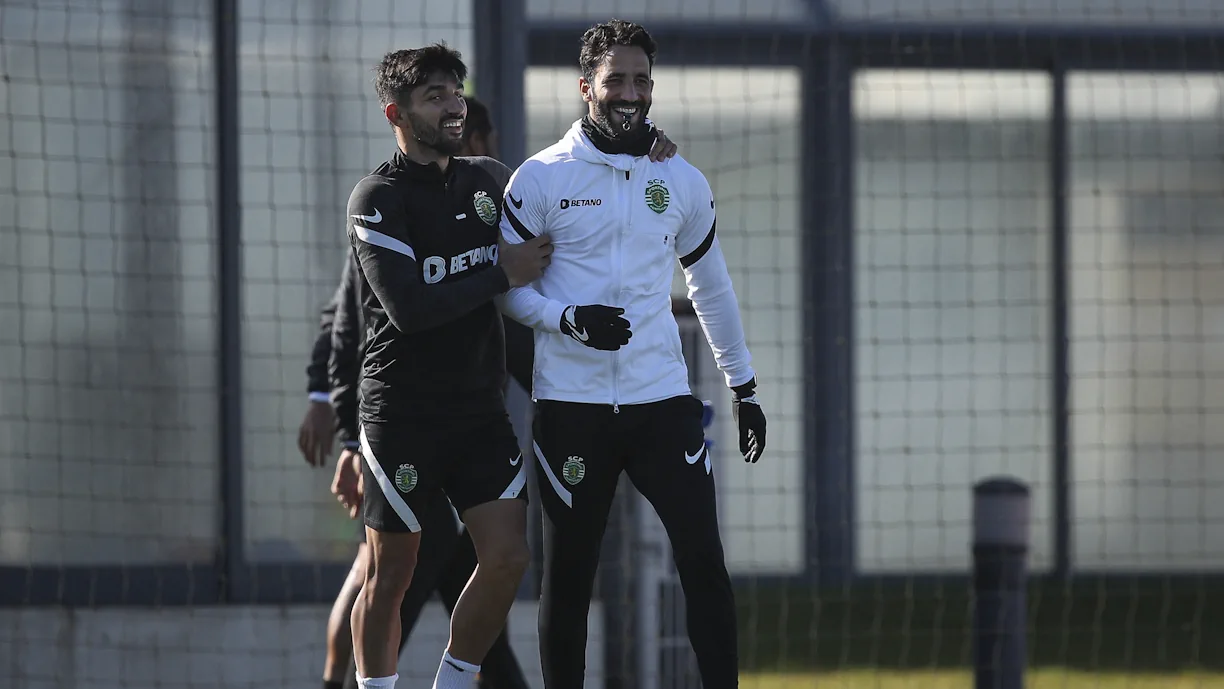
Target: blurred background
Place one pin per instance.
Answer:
(969, 238)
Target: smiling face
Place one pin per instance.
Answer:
(433, 114)
(618, 91)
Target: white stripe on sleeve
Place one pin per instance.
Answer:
(376, 238)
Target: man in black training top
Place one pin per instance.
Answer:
(610, 379)
(433, 416)
(446, 558)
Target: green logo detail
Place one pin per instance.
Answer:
(486, 207)
(405, 478)
(657, 196)
(573, 470)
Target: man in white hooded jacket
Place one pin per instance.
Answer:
(610, 381)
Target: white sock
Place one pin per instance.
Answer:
(377, 682)
(454, 673)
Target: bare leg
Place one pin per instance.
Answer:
(500, 668)
(376, 627)
(499, 533)
(339, 627)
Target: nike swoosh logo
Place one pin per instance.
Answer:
(376, 218)
(515, 462)
(693, 459)
(517, 203)
(579, 334)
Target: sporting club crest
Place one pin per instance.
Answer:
(486, 208)
(657, 196)
(405, 478)
(573, 470)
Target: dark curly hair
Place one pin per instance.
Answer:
(403, 70)
(478, 120)
(601, 38)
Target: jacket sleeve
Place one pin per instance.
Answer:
(520, 352)
(709, 283)
(316, 370)
(344, 364)
(524, 217)
(378, 231)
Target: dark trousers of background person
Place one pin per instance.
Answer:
(582, 449)
(445, 562)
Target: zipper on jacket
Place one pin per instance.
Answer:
(618, 252)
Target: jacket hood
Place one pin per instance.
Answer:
(584, 150)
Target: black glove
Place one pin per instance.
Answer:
(596, 326)
(750, 420)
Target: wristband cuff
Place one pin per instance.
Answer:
(746, 390)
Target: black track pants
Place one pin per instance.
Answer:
(581, 450)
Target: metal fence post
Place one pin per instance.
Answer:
(828, 277)
(231, 565)
(1060, 329)
(501, 67)
(1000, 551)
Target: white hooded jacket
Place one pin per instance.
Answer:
(617, 222)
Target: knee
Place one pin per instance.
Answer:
(508, 559)
(389, 577)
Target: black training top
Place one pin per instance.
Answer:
(426, 247)
(338, 349)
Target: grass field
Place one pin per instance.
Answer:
(960, 679)
(1145, 633)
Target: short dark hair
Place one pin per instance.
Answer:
(601, 38)
(478, 121)
(403, 70)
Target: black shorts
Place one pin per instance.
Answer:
(408, 465)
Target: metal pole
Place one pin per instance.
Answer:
(828, 276)
(501, 66)
(499, 70)
(1000, 550)
(1060, 360)
(231, 563)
